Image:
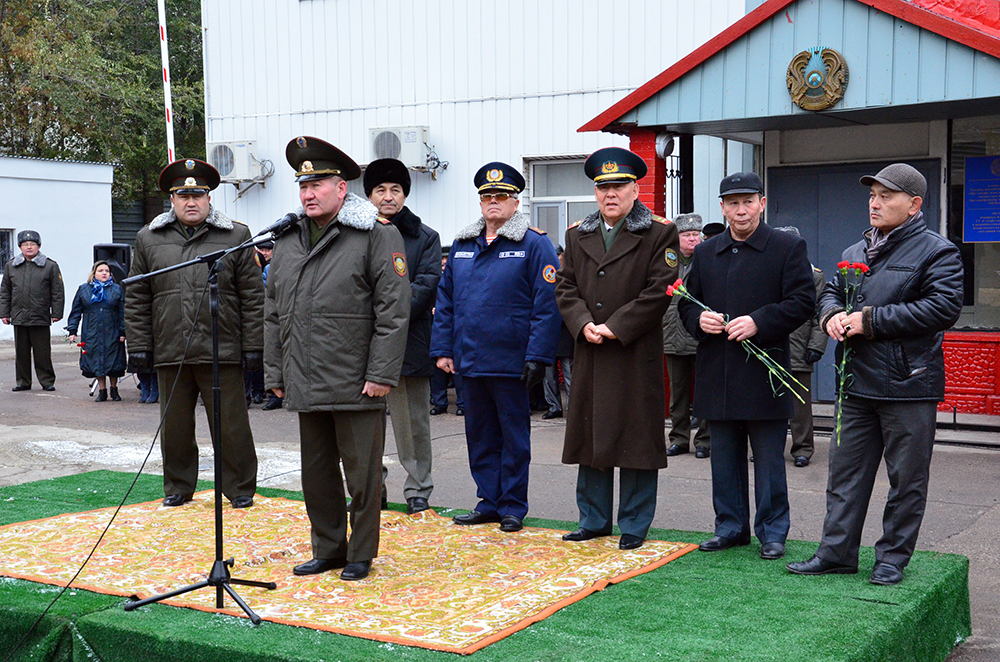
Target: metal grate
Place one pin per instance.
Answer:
(387, 145)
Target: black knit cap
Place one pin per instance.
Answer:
(386, 171)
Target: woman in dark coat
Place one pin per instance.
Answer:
(101, 303)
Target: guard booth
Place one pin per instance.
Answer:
(825, 91)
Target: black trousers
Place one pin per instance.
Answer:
(902, 432)
(35, 340)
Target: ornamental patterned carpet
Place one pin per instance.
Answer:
(434, 584)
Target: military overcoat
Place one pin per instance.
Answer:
(616, 405)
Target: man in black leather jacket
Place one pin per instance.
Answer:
(894, 326)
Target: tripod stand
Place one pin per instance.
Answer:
(219, 576)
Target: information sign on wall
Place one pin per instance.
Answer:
(982, 199)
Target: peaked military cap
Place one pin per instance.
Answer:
(384, 171)
(189, 176)
(29, 235)
(741, 182)
(312, 158)
(498, 176)
(610, 165)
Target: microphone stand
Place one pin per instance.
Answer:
(219, 577)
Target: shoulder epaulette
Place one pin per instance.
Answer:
(239, 222)
(538, 230)
(660, 219)
(817, 270)
(384, 221)
(576, 224)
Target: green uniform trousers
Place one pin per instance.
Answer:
(35, 340)
(357, 439)
(177, 439)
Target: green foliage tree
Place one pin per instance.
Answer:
(81, 79)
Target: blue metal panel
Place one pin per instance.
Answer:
(711, 97)
(831, 25)
(987, 81)
(855, 52)
(931, 64)
(880, 41)
(690, 96)
(785, 43)
(958, 80)
(758, 71)
(905, 55)
(733, 82)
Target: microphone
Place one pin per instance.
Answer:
(279, 226)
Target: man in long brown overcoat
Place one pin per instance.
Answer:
(612, 293)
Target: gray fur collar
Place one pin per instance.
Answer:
(357, 213)
(513, 229)
(640, 218)
(39, 259)
(215, 218)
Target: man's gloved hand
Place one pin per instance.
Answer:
(812, 356)
(253, 361)
(532, 374)
(140, 362)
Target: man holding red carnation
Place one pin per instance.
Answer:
(895, 294)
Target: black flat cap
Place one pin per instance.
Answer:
(741, 182)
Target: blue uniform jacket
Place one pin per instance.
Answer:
(496, 305)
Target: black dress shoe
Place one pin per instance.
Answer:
(439, 409)
(771, 551)
(719, 543)
(801, 461)
(886, 574)
(582, 534)
(258, 398)
(19, 388)
(475, 517)
(459, 412)
(50, 387)
(511, 523)
(628, 541)
(550, 414)
(817, 566)
(316, 566)
(174, 500)
(415, 505)
(272, 404)
(702, 452)
(242, 501)
(355, 571)
(674, 449)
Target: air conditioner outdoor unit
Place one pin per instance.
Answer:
(236, 160)
(406, 143)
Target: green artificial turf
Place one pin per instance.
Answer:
(701, 607)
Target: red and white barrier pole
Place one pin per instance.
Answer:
(165, 57)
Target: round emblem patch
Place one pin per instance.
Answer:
(670, 257)
(549, 273)
(190, 181)
(494, 175)
(399, 263)
(189, 164)
(301, 142)
(307, 166)
(609, 167)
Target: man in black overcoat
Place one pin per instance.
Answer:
(758, 284)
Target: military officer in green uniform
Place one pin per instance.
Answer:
(162, 312)
(336, 319)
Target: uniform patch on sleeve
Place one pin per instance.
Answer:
(671, 257)
(399, 263)
(549, 273)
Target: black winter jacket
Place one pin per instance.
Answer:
(911, 294)
(423, 256)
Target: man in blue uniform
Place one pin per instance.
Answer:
(496, 324)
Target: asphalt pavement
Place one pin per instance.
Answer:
(49, 434)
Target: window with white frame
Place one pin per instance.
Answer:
(561, 194)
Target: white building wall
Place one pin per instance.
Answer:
(69, 204)
(492, 81)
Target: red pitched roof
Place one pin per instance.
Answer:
(974, 23)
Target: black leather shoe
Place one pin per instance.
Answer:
(628, 541)
(817, 566)
(19, 388)
(415, 505)
(511, 523)
(439, 409)
(174, 500)
(242, 501)
(50, 387)
(801, 461)
(886, 574)
(475, 517)
(258, 398)
(270, 405)
(355, 571)
(550, 414)
(459, 412)
(102, 395)
(582, 534)
(719, 543)
(702, 452)
(316, 566)
(772, 551)
(674, 449)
